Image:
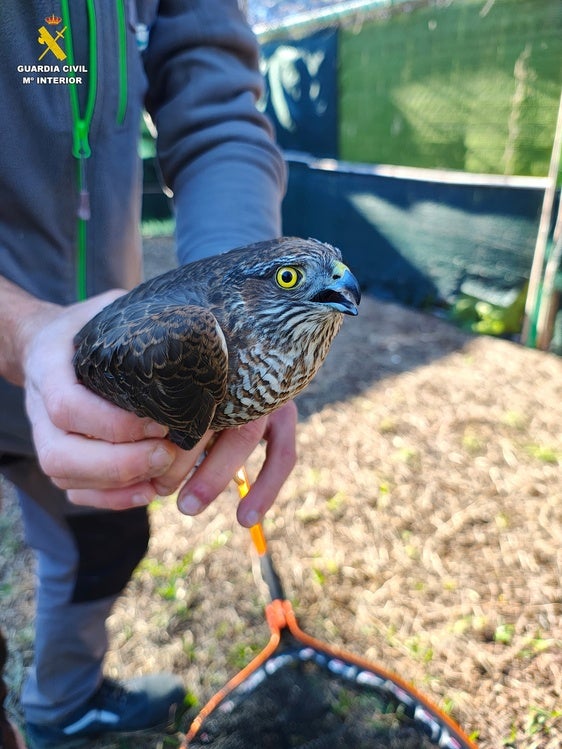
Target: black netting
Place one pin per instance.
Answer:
(298, 701)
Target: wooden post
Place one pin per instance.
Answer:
(528, 336)
(549, 297)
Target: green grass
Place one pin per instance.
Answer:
(544, 453)
(504, 633)
(539, 721)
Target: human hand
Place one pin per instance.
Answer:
(102, 455)
(106, 457)
(228, 451)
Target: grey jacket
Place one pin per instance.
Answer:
(75, 76)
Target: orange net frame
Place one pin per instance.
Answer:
(301, 692)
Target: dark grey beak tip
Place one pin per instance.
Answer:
(352, 293)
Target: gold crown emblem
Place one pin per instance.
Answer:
(53, 20)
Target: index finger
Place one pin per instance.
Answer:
(230, 450)
(279, 462)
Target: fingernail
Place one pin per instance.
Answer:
(161, 459)
(251, 518)
(141, 500)
(152, 429)
(189, 505)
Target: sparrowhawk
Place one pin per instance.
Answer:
(220, 341)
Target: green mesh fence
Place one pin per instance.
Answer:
(471, 85)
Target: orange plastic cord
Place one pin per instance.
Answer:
(256, 531)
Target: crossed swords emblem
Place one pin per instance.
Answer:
(51, 43)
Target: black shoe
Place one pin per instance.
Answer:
(135, 705)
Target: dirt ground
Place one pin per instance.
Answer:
(421, 528)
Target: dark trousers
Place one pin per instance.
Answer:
(84, 560)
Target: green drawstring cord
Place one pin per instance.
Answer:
(81, 122)
(80, 136)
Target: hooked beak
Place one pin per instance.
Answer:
(343, 294)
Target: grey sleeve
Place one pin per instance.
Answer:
(216, 150)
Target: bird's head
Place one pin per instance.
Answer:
(286, 279)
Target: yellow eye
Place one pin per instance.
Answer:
(288, 277)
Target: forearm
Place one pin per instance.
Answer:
(242, 187)
(216, 150)
(20, 313)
